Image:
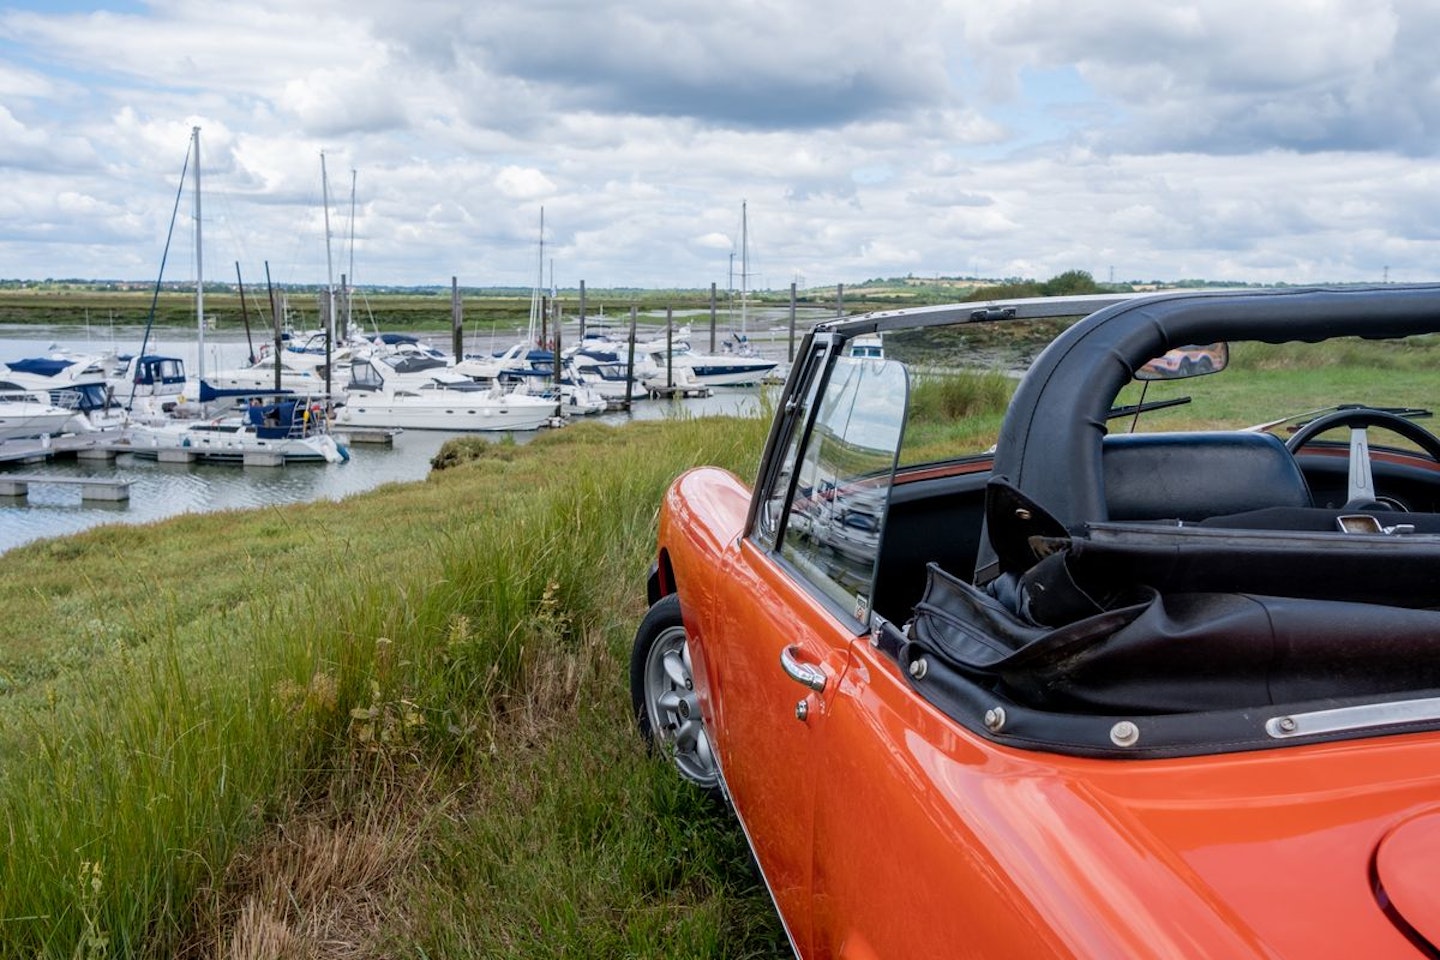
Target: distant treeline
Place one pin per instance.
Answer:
(130, 303)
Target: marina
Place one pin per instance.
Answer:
(57, 471)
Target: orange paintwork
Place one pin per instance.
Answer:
(1405, 873)
(886, 829)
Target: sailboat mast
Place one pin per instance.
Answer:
(537, 294)
(199, 262)
(350, 288)
(744, 263)
(329, 276)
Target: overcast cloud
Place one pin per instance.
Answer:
(1284, 141)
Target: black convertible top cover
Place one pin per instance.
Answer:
(1176, 653)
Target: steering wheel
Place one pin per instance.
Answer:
(1360, 483)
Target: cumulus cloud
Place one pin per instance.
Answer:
(1287, 140)
(357, 98)
(766, 65)
(521, 183)
(1228, 76)
(715, 241)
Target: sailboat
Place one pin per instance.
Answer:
(739, 365)
(286, 431)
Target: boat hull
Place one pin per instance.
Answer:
(459, 414)
(731, 375)
(225, 443)
(22, 420)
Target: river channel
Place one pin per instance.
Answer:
(160, 490)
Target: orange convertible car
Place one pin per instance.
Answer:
(1157, 675)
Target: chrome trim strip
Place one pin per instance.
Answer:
(1345, 719)
(754, 854)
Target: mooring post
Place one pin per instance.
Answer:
(790, 354)
(581, 340)
(556, 354)
(712, 316)
(630, 364)
(457, 314)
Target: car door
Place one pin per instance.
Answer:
(796, 595)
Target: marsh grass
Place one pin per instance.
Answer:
(955, 413)
(395, 724)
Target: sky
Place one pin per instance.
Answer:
(1282, 141)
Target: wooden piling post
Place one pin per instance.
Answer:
(712, 316)
(790, 353)
(457, 314)
(630, 364)
(556, 353)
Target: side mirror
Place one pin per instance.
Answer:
(1182, 362)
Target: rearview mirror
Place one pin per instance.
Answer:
(1182, 362)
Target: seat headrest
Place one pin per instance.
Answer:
(1195, 475)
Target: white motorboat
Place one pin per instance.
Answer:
(613, 371)
(103, 390)
(302, 378)
(610, 378)
(869, 347)
(79, 383)
(26, 414)
(302, 367)
(738, 365)
(575, 396)
(523, 369)
(462, 407)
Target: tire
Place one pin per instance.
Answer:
(662, 693)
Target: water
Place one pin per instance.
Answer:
(160, 490)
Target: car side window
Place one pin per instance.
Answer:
(778, 491)
(843, 466)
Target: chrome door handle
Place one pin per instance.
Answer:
(801, 673)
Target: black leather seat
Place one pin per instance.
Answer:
(1192, 476)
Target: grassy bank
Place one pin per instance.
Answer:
(397, 725)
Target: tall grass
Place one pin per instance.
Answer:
(398, 722)
(954, 412)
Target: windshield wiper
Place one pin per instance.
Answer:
(1135, 409)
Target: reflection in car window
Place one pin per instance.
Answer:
(778, 493)
(832, 530)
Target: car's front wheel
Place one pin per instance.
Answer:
(662, 690)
